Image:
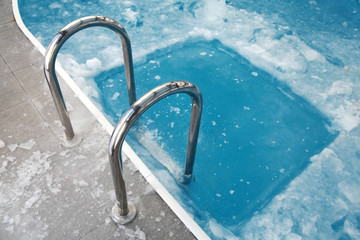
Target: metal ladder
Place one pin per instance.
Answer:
(54, 48)
(122, 212)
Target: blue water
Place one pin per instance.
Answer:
(255, 136)
(280, 82)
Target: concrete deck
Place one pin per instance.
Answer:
(47, 190)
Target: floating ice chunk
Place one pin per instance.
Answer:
(175, 109)
(340, 88)
(111, 56)
(79, 72)
(115, 96)
(94, 63)
(317, 78)
(282, 170)
(347, 116)
(213, 11)
(246, 108)
(294, 236)
(157, 77)
(130, 15)
(203, 53)
(351, 189)
(255, 74)
(308, 227)
(231, 192)
(213, 123)
(206, 33)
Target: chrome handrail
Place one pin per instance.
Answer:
(121, 212)
(54, 47)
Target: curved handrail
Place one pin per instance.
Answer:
(54, 47)
(120, 211)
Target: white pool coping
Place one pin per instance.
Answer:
(139, 164)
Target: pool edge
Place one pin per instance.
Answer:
(127, 150)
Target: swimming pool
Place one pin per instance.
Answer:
(252, 65)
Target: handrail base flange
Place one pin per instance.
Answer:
(119, 219)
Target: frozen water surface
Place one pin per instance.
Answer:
(291, 71)
(264, 136)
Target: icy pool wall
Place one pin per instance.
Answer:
(312, 47)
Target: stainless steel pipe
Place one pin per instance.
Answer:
(54, 47)
(121, 212)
